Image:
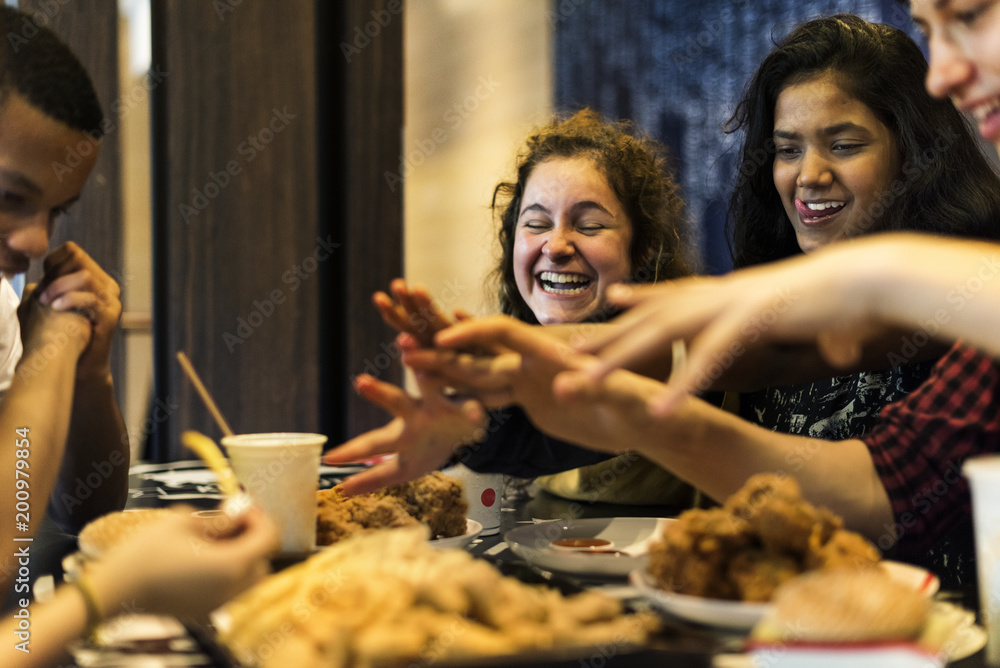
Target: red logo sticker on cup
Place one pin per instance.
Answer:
(489, 497)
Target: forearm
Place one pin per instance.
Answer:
(717, 451)
(937, 287)
(41, 638)
(93, 479)
(787, 364)
(33, 428)
(772, 363)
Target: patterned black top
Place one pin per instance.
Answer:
(836, 408)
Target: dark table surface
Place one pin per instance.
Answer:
(681, 644)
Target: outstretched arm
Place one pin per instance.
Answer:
(713, 450)
(838, 298)
(97, 449)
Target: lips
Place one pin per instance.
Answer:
(818, 211)
(987, 115)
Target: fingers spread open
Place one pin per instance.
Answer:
(375, 442)
(385, 395)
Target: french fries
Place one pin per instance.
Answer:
(389, 597)
(209, 453)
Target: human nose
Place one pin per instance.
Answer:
(948, 68)
(814, 171)
(30, 240)
(559, 243)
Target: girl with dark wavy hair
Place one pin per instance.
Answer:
(635, 168)
(840, 139)
(592, 203)
(941, 181)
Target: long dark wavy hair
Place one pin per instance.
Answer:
(945, 185)
(635, 166)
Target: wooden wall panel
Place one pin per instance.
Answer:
(371, 51)
(273, 223)
(235, 214)
(90, 28)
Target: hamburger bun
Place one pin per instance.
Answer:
(109, 530)
(844, 605)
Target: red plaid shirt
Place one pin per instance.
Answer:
(922, 440)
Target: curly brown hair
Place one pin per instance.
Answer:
(635, 166)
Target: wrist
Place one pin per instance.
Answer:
(91, 603)
(109, 587)
(95, 379)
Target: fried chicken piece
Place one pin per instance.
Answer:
(757, 573)
(338, 517)
(784, 525)
(765, 534)
(758, 490)
(436, 500)
(691, 556)
(844, 549)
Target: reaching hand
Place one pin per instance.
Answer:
(183, 565)
(516, 363)
(802, 300)
(424, 432)
(412, 311)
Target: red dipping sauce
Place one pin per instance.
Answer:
(581, 543)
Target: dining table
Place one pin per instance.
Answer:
(679, 643)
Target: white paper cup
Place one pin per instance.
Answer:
(984, 484)
(280, 471)
(484, 494)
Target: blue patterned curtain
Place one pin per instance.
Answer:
(677, 68)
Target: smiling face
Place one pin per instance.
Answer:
(33, 193)
(571, 241)
(964, 40)
(833, 160)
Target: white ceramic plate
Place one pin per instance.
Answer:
(741, 616)
(630, 537)
(472, 529)
(735, 615)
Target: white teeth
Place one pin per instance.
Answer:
(819, 206)
(984, 110)
(553, 277)
(554, 282)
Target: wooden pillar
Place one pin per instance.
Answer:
(272, 220)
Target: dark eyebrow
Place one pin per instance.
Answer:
(589, 205)
(20, 179)
(831, 130)
(579, 207)
(535, 207)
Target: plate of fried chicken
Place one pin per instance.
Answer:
(721, 566)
